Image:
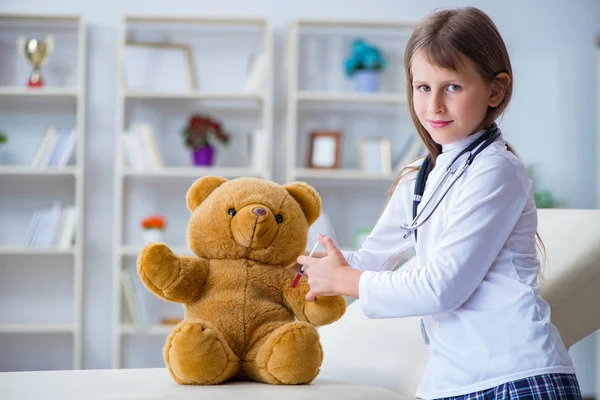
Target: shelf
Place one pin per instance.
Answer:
(192, 172)
(37, 328)
(37, 251)
(8, 170)
(146, 329)
(347, 174)
(193, 95)
(30, 189)
(132, 250)
(351, 97)
(49, 92)
(163, 106)
(157, 19)
(30, 17)
(349, 23)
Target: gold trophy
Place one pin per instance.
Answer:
(36, 52)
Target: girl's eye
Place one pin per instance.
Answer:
(424, 88)
(278, 218)
(232, 211)
(453, 88)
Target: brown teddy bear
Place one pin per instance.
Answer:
(243, 320)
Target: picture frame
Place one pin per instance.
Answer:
(158, 66)
(375, 155)
(324, 150)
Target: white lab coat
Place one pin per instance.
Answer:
(475, 284)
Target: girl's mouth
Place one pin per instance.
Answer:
(438, 123)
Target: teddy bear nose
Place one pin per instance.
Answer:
(259, 211)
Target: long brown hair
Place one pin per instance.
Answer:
(443, 37)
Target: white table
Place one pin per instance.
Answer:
(156, 383)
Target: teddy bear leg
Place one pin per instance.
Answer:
(196, 353)
(290, 355)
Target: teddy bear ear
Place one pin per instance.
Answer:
(307, 197)
(200, 190)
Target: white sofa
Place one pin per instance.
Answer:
(363, 359)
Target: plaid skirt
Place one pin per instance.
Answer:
(540, 387)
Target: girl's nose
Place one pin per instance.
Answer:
(436, 104)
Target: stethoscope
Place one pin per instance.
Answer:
(491, 134)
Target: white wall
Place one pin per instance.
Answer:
(551, 120)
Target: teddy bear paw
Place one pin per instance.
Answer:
(325, 310)
(196, 353)
(158, 267)
(291, 355)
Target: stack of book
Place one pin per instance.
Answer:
(52, 227)
(413, 149)
(55, 149)
(133, 294)
(140, 148)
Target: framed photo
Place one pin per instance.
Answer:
(158, 66)
(324, 151)
(375, 155)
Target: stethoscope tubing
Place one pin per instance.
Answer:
(472, 153)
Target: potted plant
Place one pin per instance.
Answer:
(365, 65)
(197, 135)
(543, 197)
(153, 227)
(3, 138)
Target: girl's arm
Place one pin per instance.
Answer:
(487, 207)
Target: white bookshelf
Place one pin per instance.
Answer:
(321, 97)
(220, 93)
(43, 285)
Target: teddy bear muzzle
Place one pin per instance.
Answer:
(254, 226)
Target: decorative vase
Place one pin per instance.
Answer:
(203, 156)
(366, 81)
(152, 235)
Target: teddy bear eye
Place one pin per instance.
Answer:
(279, 218)
(232, 211)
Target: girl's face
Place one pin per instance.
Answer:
(451, 105)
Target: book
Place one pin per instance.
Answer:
(413, 148)
(257, 74)
(52, 227)
(56, 148)
(141, 151)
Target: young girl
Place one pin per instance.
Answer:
(488, 328)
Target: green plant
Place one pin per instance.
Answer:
(543, 197)
(199, 129)
(3, 138)
(364, 57)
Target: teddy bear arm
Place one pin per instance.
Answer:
(323, 311)
(157, 267)
(168, 276)
(188, 285)
(295, 297)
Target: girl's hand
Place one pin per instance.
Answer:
(330, 275)
(296, 267)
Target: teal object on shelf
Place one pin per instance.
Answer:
(366, 81)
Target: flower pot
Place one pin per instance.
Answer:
(203, 156)
(152, 235)
(366, 81)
